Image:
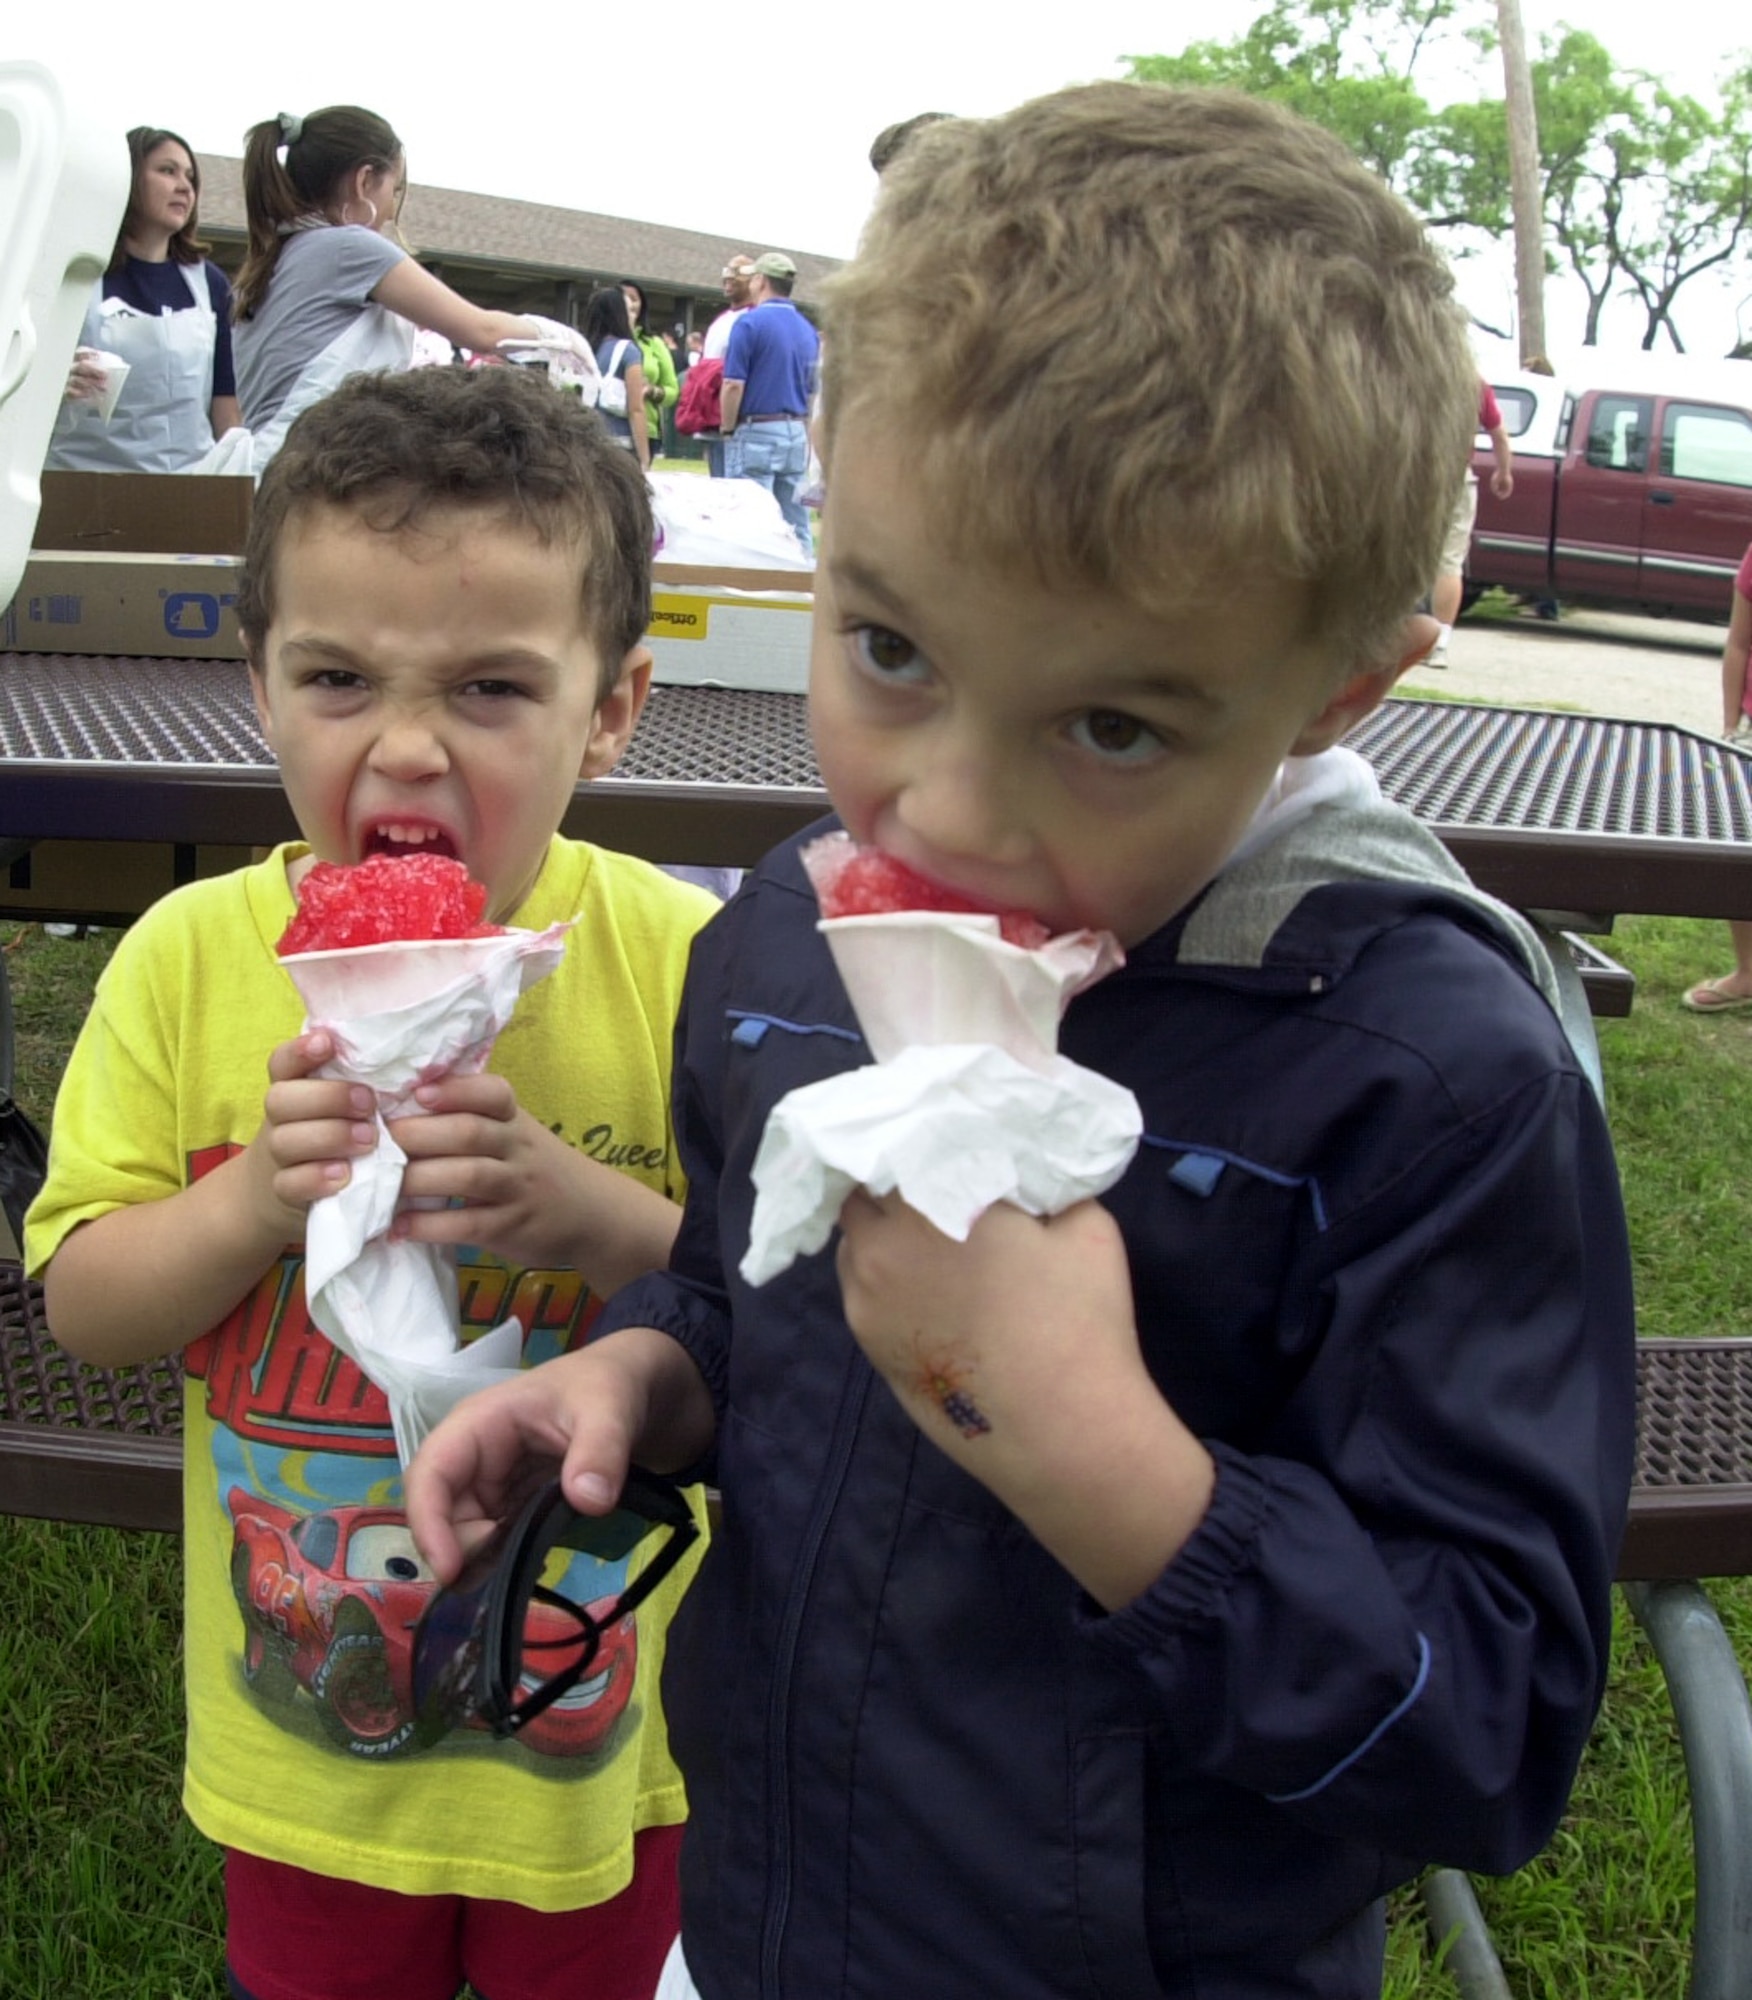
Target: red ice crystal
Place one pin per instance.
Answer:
(869, 883)
(388, 899)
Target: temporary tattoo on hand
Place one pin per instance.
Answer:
(946, 1385)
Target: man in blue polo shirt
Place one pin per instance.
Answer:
(769, 377)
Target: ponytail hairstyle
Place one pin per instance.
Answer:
(186, 246)
(292, 169)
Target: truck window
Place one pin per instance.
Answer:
(1618, 434)
(1517, 406)
(1704, 441)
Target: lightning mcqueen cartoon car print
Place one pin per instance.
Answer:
(330, 1601)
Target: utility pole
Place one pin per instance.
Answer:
(1525, 194)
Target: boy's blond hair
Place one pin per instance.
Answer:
(1168, 342)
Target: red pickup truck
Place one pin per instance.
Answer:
(1633, 485)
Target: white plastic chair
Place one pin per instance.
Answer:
(64, 185)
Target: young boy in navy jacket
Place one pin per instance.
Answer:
(1278, 1565)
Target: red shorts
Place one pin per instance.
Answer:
(291, 1935)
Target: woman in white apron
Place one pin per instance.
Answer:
(327, 290)
(162, 309)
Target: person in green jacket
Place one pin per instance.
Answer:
(661, 386)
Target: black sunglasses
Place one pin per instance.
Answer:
(474, 1654)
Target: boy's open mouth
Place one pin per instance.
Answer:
(408, 837)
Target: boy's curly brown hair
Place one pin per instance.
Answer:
(395, 449)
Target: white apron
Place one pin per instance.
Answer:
(161, 422)
(377, 339)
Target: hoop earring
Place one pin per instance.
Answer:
(371, 207)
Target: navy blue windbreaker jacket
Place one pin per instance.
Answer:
(1379, 1263)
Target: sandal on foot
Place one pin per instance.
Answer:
(1708, 998)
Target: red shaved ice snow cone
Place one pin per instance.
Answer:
(396, 931)
(854, 881)
(388, 899)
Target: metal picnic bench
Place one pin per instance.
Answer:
(1570, 813)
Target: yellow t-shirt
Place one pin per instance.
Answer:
(302, 1580)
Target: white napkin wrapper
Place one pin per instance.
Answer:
(968, 1102)
(403, 1015)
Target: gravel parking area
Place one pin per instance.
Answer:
(1602, 663)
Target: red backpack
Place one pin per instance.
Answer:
(700, 408)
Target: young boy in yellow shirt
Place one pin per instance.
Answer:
(1120, 1602)
(444, 599)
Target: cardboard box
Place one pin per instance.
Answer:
(144, 513)
(153, 607)
(664, 575)
(731, 628)
(750, 634)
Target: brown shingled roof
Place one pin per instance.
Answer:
(451, 228)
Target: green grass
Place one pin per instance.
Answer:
(1495, 603)
(107, 1891)
(1414, 689)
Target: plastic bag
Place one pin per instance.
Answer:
(726, 523)
(233, 454)
(570, 362)
(24, 1150)
(24, 1159)
(813, 491)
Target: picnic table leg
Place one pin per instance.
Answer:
(10, 1247)
(1714, 1714)
(1452, 1910)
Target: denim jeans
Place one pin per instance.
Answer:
(776, 456)
(723, 456)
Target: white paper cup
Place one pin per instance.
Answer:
(383, 978)
(931, 977)
(115, 373)
(406, 1013)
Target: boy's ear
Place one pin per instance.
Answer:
(1365, 691)
(617, 714)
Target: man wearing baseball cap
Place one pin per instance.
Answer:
(769, 378)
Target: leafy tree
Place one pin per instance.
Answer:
(1588, 126)
(1644, 189)
(1345, 64)
(1692, 208)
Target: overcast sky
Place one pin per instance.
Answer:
(761, 137)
